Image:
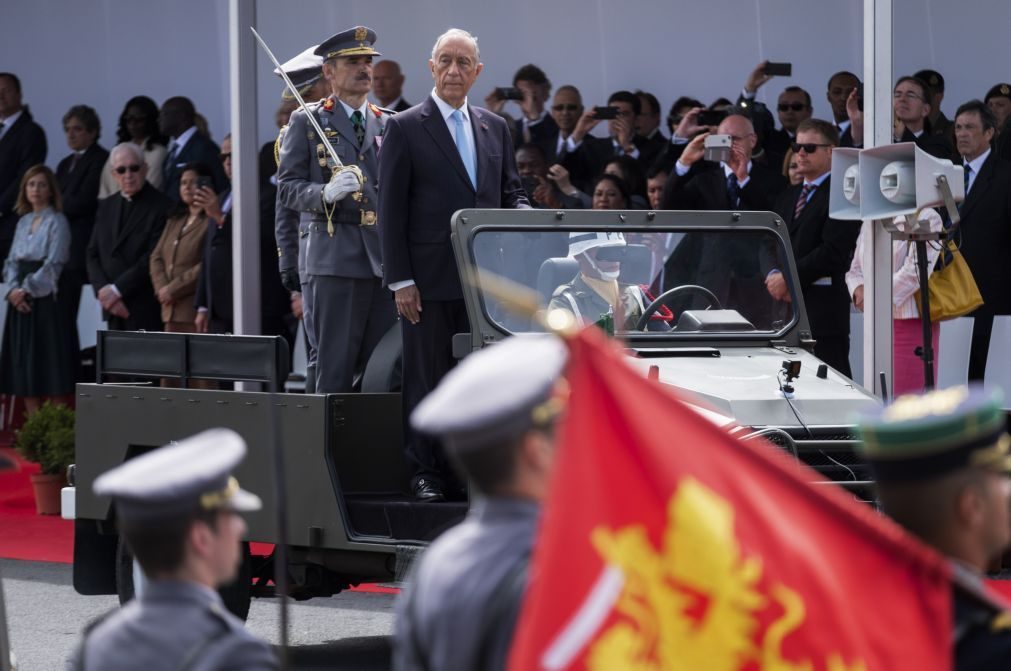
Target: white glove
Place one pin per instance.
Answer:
(342, 184)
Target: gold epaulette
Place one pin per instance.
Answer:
(277, 145)
(1001, 621)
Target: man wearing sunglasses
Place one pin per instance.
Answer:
(793, 106)
(566, 108)
(127, 226)
(823, 247)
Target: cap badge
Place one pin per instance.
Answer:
(361, 32)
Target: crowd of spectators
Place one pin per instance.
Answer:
(148, 224)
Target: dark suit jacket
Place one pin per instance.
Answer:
(822, 247)
(214, 286)
(650, 149)
(704, 187)
(21, 147)
(985, 234)
(544, 134)
(424, 182)
(199, 148)
(79, 191)
(121, 255)
(402, 105)
(587, 163)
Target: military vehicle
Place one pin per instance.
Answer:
(693, 313)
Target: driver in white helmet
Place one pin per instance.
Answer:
(595, 292)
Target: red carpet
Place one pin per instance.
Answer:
(50, 538)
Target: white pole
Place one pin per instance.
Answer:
(245, 183)
(877, 261)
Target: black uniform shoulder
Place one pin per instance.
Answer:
(982, 635)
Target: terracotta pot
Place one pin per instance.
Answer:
(47, 492)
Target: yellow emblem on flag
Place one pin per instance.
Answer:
(695, 604)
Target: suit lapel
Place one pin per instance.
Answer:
(482, 143)
(126, 226)
(343, 125)
(373, 128)
(435, 125)
(979, 185)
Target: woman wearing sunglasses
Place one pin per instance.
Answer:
(138, 124)
(37, 354)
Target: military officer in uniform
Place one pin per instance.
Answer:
(942, 464)
(495, 413)
(177, 507)
(291, 232)
(351, 311)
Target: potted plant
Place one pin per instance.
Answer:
(47, 438)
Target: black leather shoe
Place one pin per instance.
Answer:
(428, 491)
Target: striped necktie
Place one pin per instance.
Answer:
(805, 192)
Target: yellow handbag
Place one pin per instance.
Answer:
(953, 291)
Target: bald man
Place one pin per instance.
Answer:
(388, 85)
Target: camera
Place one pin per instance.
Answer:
(605, 112)
(717, 148)
(509, 93)
(711, 117)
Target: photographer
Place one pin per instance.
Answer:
(531, 90)
(542, 187)
(588, 154)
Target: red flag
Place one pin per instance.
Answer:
(668, 544)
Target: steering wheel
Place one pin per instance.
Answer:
(672, 293)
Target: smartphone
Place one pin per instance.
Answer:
(205, 181)
(606, 112)
(711, 117)
(779, 69)
(508, 93)
(530, 185)
(716, 148)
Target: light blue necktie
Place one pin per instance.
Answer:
(463, 146)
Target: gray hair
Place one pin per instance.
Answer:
(128, 147)
(456, 32)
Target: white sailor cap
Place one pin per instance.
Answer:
(180, 478)
(496, 394)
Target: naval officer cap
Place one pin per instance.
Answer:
(356, 41)
(180, 479)
(303, 70)
(924, 436)
(496, 394)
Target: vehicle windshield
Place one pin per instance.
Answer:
(707, 281)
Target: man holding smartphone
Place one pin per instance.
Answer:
(587, 155)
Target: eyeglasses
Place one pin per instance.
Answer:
(225, 156)
(121, 170)
(808, 147)
(565, 108)
(908, 95)
(796, 107)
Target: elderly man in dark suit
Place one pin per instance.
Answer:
(79, 176)
(985, 232)
(438, 157)
(127, 227)
(726, 265)
(22, 145)
(822, 246)
(178, 121)
(351, 311)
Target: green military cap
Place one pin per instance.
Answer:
(356, 41)
(924, 436)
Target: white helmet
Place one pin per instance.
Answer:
(579, 242)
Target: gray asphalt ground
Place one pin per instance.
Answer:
(45, 617)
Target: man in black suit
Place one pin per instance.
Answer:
(566, 109)
(188, 145)
(388, 86)
(822, 246)
(840, 86)
(535, 125)
(726, 265)
(437, 157)
(939, 124)
(213, 298)
(22, 145)
(127, 227)
(589, 155)
(79, 176)
(985, 231)
(647, 127)
(792, 107)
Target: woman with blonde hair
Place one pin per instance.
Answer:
(37, 354)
